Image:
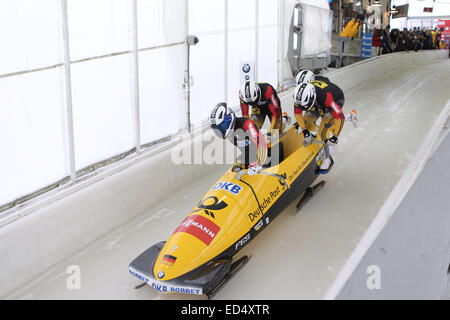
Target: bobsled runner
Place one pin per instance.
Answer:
(198, 258)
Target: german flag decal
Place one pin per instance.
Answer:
(168, 259)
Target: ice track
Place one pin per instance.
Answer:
(300, 254)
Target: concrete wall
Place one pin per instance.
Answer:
(411, 255)
(54, 231)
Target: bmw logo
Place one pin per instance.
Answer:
(161, 274)
(246, 68)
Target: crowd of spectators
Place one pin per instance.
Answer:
(414, 39)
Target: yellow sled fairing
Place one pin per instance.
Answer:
(222, 221)
(202, 234)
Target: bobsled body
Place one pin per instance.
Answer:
(198, 255)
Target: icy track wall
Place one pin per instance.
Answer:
(38, 241)
(411, 254)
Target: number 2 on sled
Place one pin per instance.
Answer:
(173, 249)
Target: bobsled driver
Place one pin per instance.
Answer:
(320, 98)
(243, 133)
(264, 102)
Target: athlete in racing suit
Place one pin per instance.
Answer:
(320, 98)
(308, 76)
(243, 133)
(324, 82)
(264, 102)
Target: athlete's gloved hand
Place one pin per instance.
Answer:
(307, 137)
(333, 144)
(254, 168)
(332, 141)
(352, 116)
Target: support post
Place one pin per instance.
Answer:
(68, 87)
(135, 77)
(225, 45)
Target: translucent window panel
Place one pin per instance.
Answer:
(207, 21)
(314, 36)
(102, 109)
(241, 42)
(162, 104)
(32, 133)
(98, 27)
(241, 13)
(241, 47)
(267, 41)
(268, 12)
(206, 16)
(207, 71)
(161, 22)
(30, 34)
(267, 55)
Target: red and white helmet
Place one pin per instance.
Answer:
(304, 76)
(250, 92)
(305, 95)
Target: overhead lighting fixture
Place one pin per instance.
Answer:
(376, 3)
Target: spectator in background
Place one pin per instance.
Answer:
(352, 27)
(385, 41)
(428, 41)
(438, 39)
(393, 37)
(406, 40)
(412, 40)
(376, 42)
(419, 43)
(401, 43)
(433, 37)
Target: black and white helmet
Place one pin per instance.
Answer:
(305, 95)
(222, 120)
(250, 92)
(304, 76)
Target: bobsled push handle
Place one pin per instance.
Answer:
(326, 147)
(242, 172)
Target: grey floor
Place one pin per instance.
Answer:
(300, 254)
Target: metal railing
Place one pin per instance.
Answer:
(346, 48)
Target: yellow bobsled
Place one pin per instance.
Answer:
(198, 257)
